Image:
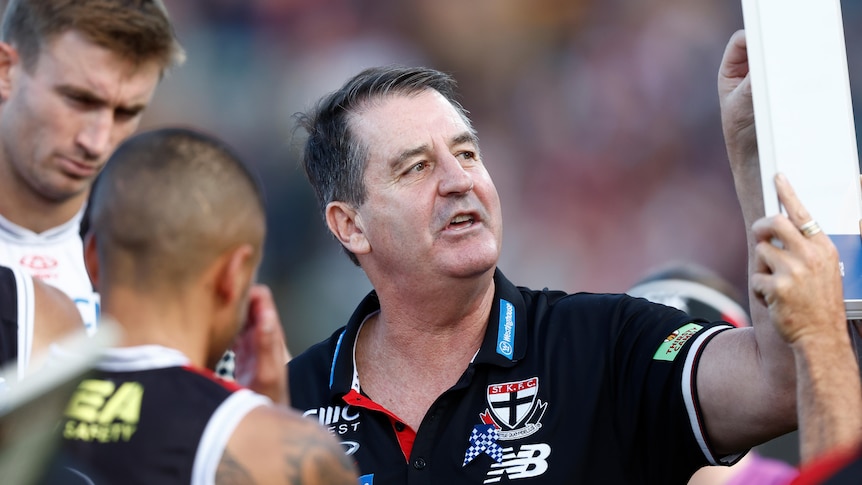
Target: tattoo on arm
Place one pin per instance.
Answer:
(311, 459)
(231, 472)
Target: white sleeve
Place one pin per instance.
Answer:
(219, 430)
(688, 390)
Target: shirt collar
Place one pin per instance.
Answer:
(505, 340)
(21, 235)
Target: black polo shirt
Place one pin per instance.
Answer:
(580, 388)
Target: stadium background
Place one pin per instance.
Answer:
(598, 120)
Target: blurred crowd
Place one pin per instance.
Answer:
(598, 120)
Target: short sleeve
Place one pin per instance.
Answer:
(656, 352)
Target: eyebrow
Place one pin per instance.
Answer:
(91, 97)
(465, 137)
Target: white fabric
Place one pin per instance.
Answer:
(689, 396)
(55, 256)
(219, 430)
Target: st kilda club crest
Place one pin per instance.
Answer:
(514, 409)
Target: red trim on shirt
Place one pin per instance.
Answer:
(826, 465)
(406, 435)
(229, 385)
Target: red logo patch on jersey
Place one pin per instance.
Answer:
(514, 409)
(38, 262)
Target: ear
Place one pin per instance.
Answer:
(91, 259)
(346, 225)
(234, 273)
(8, 59)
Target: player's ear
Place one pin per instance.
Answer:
(8, 59)
(91, 259)
(346, 225)
(234, 272)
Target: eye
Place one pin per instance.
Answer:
(467, 155)
(419, 167)
(126, 114)
(79, 100)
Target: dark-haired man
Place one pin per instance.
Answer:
(449, 373)
(175, 240)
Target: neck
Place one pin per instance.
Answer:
(449, 319)
(420, 344)
(160, 319)
(25, 207)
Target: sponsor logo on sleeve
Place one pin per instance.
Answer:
(673, 343)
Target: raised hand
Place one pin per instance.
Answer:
(261, 351)
(799, 280)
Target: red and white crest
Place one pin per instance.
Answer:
(511, 402)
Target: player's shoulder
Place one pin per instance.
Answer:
(274, 444)
(55, 314)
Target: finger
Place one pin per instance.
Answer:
(262, 311)
(775, 228)
(762, 287)
(270, 372)
(770, 259)
(734, 62)
(270, 322)
(796, 212)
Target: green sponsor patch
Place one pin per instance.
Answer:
(674, 342)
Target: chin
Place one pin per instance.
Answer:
(473, 267)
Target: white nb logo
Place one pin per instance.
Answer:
(529, 461)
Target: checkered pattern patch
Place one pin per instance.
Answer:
(226, 366)
(483, 439)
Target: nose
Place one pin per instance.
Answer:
(454, 178)
(94, 138)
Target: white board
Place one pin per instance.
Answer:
(804, 120)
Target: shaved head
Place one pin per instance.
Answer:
(168, 204)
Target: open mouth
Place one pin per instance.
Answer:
(462, 221)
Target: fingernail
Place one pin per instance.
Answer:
(268, 321)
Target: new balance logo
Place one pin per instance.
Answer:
(529, 461)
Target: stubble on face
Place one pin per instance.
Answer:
(417, 178)
(68, 112)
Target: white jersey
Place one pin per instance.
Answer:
(55, 256)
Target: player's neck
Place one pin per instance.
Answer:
(166, 321)
(25, 208)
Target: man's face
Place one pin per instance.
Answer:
(60, 121)
(431, 206)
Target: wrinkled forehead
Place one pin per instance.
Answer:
(401, 120)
